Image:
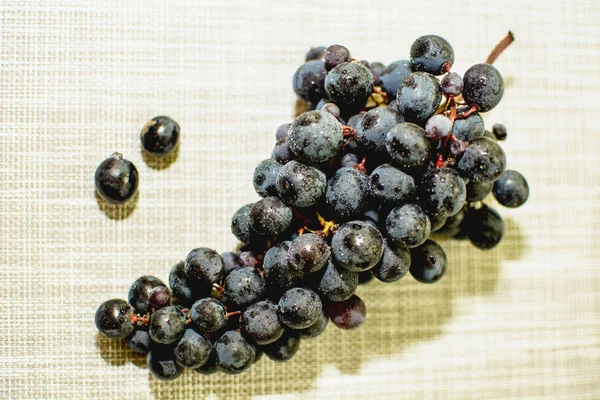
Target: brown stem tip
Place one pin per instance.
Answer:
(504, 43)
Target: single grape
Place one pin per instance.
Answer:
(332, 109)
(308, 253)
(478, 191)
(309, 81)
(349, 160)
(300, 185)
(483, 161)
(317, 328)
(284, 348)
(372, 130)
(282, 131)
(394, 263)
(452, 226)
(452, 84)
(388, 185)
(116, 179)
(353, 122)
(260, 323)
(270, 216)
(431, 53)
(348, 314)
(467, 129)
(376, 69)
(210, 366)
(265, 175)
(337, 284)
(231, 261)
(457, 148)
(167, 325)
(346, 194)
(489, 135)
(192, 350)
(282, 153)
(483, 87)
(315, 53)
(139, 341)
(437, 221)
(335, 55)
(418, 97)
(113, 319)
(407, 145)
(484, 227)
(315, 136)
(244, 286)
(438, 127)
(442, 191)
(511, 189)
(240, 225)
(162, 364)
(160, 136)
(180, 286)
(203, 268)
(408, 225)
(428, 262)
(349, 85)
(299, 308)
(208, 315)
(280, 275)
(160, 297)
(393, 76)
(234, 353)
(365, 276)
(357, 246)
(139, 293)
(499, 131)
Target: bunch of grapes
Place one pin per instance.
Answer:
(382, 158)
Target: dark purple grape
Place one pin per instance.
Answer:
(282, 153)
(346, 194)
(348, 314)
(452, 84)
(332, 109)
(407, 145)
(244, 286)
(231, 261)
(452, 225)
(284, 348)
(478, 191)
(393, 76)
(234, 353)
(317, 328)
(265, 176)
(208, 315)
(376, 69)
(353, 121)
(113, 319)
(240, 225)
(203, 268)
(162, 364)
(282, 131)
(180, 286)
(349, 85)
(160, 136)
(437, 221)
(365, 276)
(428, 262)
(300, 185)
(442, 191)
(280, 275)
(499, 131)
(315, 136)
(337, 284)
(483, 161)
(192, 350)
(388, 185)
(315, 53)
(357, 246)
(309, 81)
(299, 308)
(511, 189)
(160, 297)
(372, 130)
(408, 225)
(431, 53)
(467, 129)
(167, 325)
(116, 179)
(335, 55)
(270, 216)
(139, 341)
(260, 323)
(139, 293)
(308, 253)
(438, 127)
(483, 87)
(418, 97)
(484, 227)
(394, 263)
(210, 366)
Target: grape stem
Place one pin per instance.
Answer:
(361, 166)
(328, 226)
(504, 43)
(142, 320)
(229, 314)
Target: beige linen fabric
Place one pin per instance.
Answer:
(79, 79)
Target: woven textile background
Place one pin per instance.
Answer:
(78, 80)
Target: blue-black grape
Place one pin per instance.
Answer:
(284, 348)
(347, 314)
(483, 87)
(260, 323)
(300, 185)
(244, 286)
(437, 221)
(139, 293)
(231, 261)
(299, 308)
(483, 161)
(452, 225)
(282, 153)
(407, 145)
(337, 284)
(265, 176)
(372, 130)
(335, 55)
(139, 341)
(376, 69)
(393, 76)
(428, 262)
(162, 364)
(467, 129)
(282, 131)
(349, 85)
(203, 268)
(159, 297)
(346, 194)
(192, 350)
(116, 179)
(442, 191)
(431, 53)
(484, 227)
(332, 109)
(308, 253)
(270, 216)
(388, 185)
(452, 84)
(478, 191)
(511, 189)
(181, 288)
(234, 353)
(160, 136)
(208, 315)
(349, 160)
(357, 246)
(394, 263)
(317, 328)
(315, 53)
(167, 325)
(240, 225)
(113, 319)
(309, 81)
(408, 225)
(418, 97)
(279, 273)
(499, 131)
(210, 366)
(315, 136)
